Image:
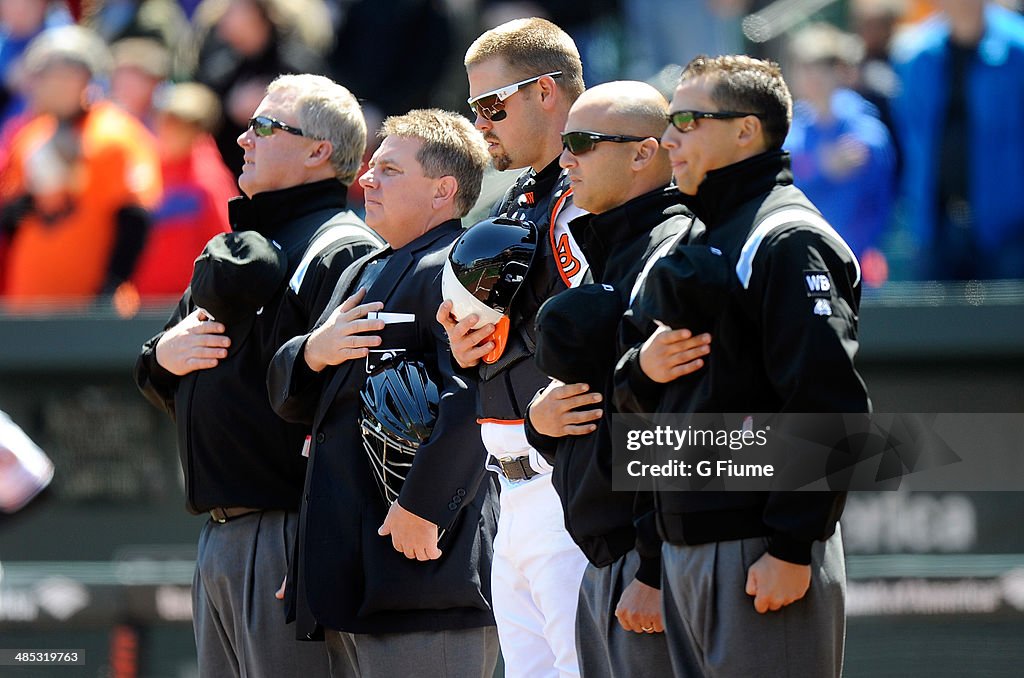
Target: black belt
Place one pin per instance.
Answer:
(517, 468)
(223, 515)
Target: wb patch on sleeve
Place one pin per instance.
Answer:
(818, 283)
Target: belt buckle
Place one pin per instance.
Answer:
(514, 468)
(502, 463)
(219, 515)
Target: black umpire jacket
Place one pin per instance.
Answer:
(771, 349)
(349, 578)
(234, 450)
(617, 244)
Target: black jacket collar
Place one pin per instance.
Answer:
(399, 261)
(725, 190)
(430, 236)
(270, 211)
(600, 235)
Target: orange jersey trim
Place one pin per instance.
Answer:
(568, 264)
(503, 422)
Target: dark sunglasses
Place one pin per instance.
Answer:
(582, 142)
(491, 105)
(264, 126)
(685, 121)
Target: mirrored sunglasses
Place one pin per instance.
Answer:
(491, 105)
(264, 126)
(685, 121)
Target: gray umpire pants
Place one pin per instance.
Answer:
(462, 653)
(605, 649)
(239, 624)
(711, 622)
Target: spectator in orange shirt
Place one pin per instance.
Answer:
(80, 182)
(196, 187)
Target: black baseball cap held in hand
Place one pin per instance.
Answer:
(687, 288)
(576, 334)
(234, 278)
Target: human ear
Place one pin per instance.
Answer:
(750, 132)
(547, 87)
(646, 152)
(320, 153)
(447, 187)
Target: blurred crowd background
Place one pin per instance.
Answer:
(118, 118)
(118, 122)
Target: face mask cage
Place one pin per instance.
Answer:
(390, 457)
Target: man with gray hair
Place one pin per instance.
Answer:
(243, 465)
(394, 559)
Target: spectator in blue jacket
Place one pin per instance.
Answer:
(20, 22)
(959, 119)
(843, 155)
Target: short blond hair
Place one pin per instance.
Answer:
(532, 47)
(329, 112)
(451, 147)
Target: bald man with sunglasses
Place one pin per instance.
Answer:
(620, 175)
(523, 77)
(244, 466)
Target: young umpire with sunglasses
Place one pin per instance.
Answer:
(243, 465)
(523, 77)
(779, 290)
(620, 175)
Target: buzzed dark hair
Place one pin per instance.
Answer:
(743, 83)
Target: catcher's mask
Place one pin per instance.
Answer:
(400, 405)
(485, 270)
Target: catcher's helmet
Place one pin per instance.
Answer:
(485, 269)
(400, 405)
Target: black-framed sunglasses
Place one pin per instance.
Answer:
(581, 142)
(264, 126)
(491, 105)
(685, 121)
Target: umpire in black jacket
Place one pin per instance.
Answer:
(778, 289)
(244, 465)
(620, 176)
(390, 597)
